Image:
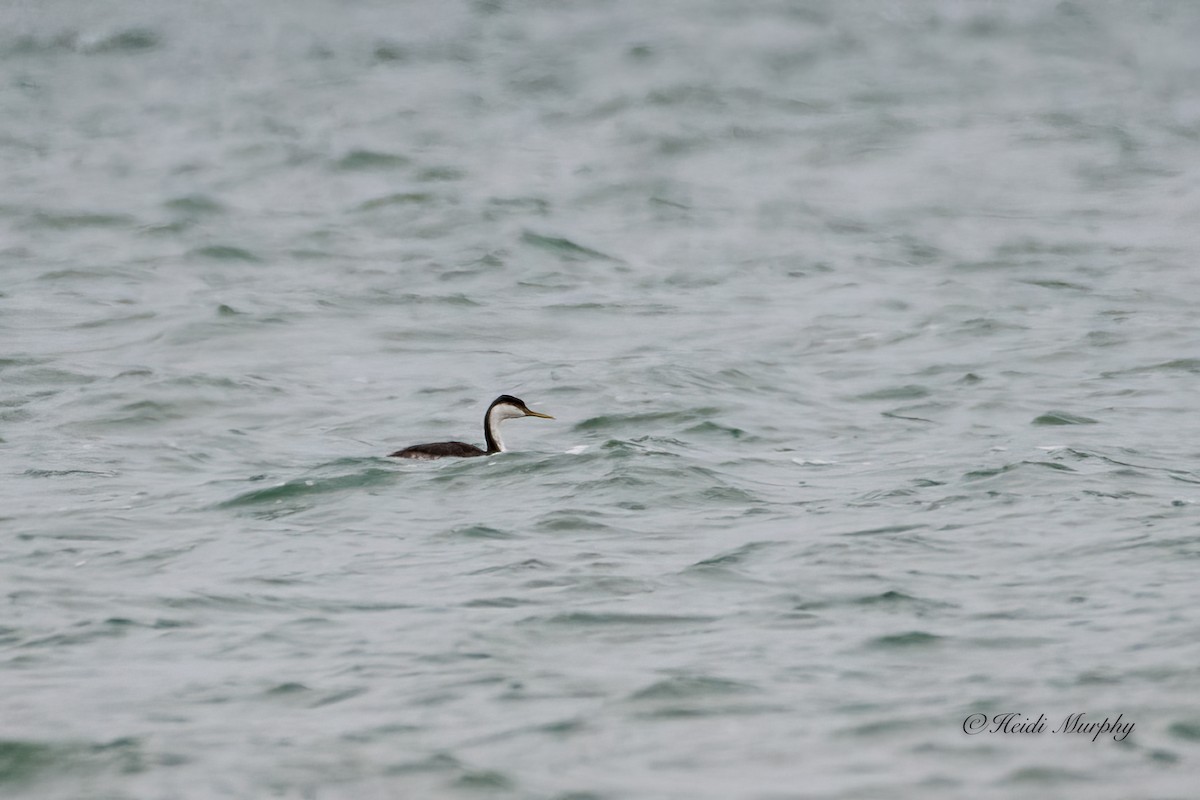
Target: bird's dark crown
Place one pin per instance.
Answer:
(509, 400)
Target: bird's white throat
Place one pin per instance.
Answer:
(498, 414)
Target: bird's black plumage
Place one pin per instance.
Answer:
(439, 450)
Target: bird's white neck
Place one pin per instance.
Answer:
(491, 425)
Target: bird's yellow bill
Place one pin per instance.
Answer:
(529, 413)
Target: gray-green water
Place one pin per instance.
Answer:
(871, 330)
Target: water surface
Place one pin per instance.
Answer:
(871, 333)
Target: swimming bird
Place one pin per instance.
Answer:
(503, 407)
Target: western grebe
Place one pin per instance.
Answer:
(503, 407)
